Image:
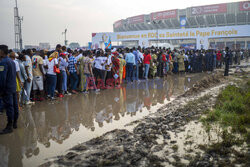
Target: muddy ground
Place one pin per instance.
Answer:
(173, 136)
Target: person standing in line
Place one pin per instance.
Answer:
(160, 64)
(136, 68)
(227, 59)
(38, 76)
(238, 53)
(81, 72)
(186, 61)
(8, 89)
(115, 68)
(122, 65)
(19, 84)
(89, 73)
(130, 62)
(108, 66)
(214, 59)
(23, 75)
(139, 52)
(146, 61)
(181, 65)
(51, 62)
(73, 70)
(218, 59)
(153, 64)
(175, 64)
(28, 82)
(98, 69)
(63, 69)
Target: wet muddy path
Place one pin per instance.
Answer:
(48, 129)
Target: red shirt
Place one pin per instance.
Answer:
(147, 59)
(218, 56)
(164, 58)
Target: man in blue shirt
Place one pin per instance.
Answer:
(72, 68)
(136, 67)
(8, 89)
(130, 62)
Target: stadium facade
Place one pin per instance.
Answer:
(210, 27)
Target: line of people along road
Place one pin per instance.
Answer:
(35, 75)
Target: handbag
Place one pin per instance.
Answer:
(56, 70)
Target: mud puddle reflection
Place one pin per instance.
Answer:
(49, 129)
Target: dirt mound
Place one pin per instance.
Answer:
(205, 83)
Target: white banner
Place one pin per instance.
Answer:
(192, 33)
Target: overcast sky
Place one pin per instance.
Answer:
(45, 20)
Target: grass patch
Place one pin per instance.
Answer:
(232, 109)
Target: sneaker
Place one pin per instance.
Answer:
(52, 98)
(97, 90)
(29, 103)
(60, 95)
(85, 92)
(67, 93)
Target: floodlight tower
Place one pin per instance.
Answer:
(18, 29)
(65, 37)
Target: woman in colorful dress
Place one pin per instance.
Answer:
(116, 67)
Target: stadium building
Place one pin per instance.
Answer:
(201, 27)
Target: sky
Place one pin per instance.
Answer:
(45, 20)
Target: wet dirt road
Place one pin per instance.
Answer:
(48, 129)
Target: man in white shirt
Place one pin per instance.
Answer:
(28, 82)
(108, 66)
(98, 67)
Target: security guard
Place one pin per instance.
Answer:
(227, 62)
(8, 89)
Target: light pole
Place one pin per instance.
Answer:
(18, 28)
(65, 36)
(157, 30)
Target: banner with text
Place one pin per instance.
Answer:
(191, 33)
(209, 9)
(136, 19)
(163, 15)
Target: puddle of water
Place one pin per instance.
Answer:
(47, 130)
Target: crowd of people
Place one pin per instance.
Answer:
(33, 75)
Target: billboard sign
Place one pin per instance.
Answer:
(244, 6)
(209, 9)
(136, 19)
(164, 15)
